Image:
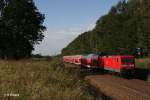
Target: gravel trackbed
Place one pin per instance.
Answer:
(119, 88)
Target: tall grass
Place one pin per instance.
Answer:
(41, 80)
(45, 80)
(143, 63)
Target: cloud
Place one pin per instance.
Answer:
(56, 39)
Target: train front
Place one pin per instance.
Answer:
(127, 65)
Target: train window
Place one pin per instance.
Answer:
(117, 60)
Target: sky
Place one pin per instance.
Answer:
(66, 19)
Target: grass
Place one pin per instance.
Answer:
(143, 63)
(45, 80)
(41, 80)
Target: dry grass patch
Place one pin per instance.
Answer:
(40, 80)
(143, 63)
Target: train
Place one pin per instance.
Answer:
(121, 64)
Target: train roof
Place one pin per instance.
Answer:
(119, 56)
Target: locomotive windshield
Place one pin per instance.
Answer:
(127, 60)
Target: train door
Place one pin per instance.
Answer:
(117, 63)
(95, 60)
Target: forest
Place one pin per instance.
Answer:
(121, 31)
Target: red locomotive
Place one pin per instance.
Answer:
(118, 63)
(115, 63)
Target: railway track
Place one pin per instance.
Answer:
(118, 88)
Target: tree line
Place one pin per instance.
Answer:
(21, 27)
(124, 28)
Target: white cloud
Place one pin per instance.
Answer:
(55, 39)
